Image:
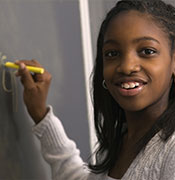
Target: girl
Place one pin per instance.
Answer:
(133, 97)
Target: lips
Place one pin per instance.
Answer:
(130, 80)
(130, 86)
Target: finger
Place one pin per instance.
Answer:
(29, 62)
(37, 77)
(26, 77)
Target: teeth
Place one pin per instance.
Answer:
(137, 84)
(125, 85)
(132, 85)
(129, 85)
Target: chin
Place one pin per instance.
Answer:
(133, 106)
(132, 109)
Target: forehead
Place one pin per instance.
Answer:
(133, 24)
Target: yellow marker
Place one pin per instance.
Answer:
(30, 68)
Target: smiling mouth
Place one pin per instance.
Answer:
(131, 85)
(130, 88)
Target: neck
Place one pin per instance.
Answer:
(140, 122)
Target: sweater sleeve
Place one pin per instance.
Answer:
(59, 151)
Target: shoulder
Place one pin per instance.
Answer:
(168, 165)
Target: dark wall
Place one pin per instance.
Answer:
(49, 31)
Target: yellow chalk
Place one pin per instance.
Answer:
(30, 68)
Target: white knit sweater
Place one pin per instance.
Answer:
(157, 162)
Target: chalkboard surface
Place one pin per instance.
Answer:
(49, 31)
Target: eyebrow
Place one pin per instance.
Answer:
(145, 38)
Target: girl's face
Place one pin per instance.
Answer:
(138, 66)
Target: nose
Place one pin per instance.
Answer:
(128, 64)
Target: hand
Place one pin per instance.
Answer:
(36, 88)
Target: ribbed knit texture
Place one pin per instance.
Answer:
(109, 178)
(157, 162)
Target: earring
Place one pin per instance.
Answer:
(104, 85)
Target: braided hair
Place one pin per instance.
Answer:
(108, 115)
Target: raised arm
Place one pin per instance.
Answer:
(57, 149)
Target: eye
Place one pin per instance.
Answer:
(111, 53)
(148, 52)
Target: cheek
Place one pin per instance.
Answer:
(161, 75)
(108, 72)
